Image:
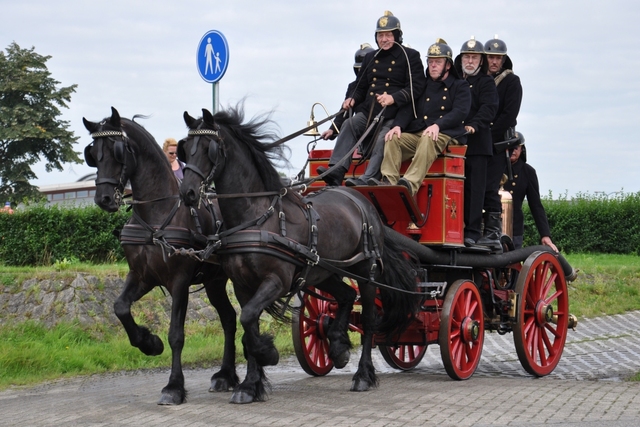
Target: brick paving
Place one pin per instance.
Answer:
(586, 389)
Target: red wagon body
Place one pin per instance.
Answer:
(459, 303)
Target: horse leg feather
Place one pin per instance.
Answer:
(226, 378)
(339, 343)
(139, 336)
(259, 349)
(174, 392)
(365, 377)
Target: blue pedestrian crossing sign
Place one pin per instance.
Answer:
(213, 56)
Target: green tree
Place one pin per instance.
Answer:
(30, 128)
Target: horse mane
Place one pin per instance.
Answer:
(259, 138)
(145, 142)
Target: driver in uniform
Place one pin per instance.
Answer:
(389, 77)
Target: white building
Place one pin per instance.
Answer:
(78, 193)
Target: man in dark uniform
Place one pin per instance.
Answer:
(502, 129)
(472, 66)
(525, 184)
(331, 133)
(390, 77)
(442, 108)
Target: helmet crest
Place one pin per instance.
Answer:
(472, 46)
(495, 46)
(440, 49)
(388, 22)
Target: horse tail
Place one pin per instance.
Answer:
(399, 306)
(280, 310)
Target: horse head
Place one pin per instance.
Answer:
(203, 153)
(111, 153)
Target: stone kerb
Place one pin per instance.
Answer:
(89, 300)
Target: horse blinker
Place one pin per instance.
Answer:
(88, 158)
(213, 151)
(118, 152)
(181, 154)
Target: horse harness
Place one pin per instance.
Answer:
(241, 240)
(142, 233)
(172, 238)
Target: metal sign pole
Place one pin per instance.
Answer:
(216, 97)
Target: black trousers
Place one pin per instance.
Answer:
(496, 167)
(475, 171)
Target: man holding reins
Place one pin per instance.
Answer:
(389, 78)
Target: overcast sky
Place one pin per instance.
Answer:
(578, 62)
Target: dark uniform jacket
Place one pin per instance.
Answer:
(525, 184)
(484, 104)
(510, 96)
(389, 72)
(445, 103)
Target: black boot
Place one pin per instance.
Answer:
(492, 232)
(335, 177)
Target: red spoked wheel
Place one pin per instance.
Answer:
(403, 356)
(461, 330)
(309, 332)
(543, 314)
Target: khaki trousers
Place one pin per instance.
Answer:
(424, 151)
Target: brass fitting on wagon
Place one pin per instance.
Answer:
(571, 323)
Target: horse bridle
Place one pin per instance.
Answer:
(122, 153)
(216, 154)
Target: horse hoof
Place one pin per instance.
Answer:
(342, 360)
(241, 397)
(359, 385)
(219, 385)
(152, 346)
(170, 399)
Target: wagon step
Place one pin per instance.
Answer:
(393, 203)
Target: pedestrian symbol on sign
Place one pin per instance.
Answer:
(212, 48)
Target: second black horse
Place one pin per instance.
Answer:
(277, 241)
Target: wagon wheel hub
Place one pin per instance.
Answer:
(324, 322)
(544, 313)
(470, 330)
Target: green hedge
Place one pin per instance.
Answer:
(590, 223)
(42, 235)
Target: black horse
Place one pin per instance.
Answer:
(123, 151)
(277, 241)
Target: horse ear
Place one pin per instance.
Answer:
(207, 117)
(91, 126)
(188, 120)
(115, 118)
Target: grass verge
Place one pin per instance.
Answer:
(31, 353)
(606, 284)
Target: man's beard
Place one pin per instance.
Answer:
(471, 71)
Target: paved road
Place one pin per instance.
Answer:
(586, 389)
